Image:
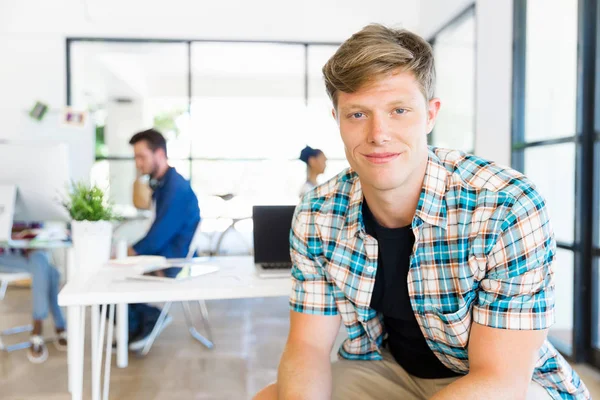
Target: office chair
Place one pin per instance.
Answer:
(207, 340)
(231, 227)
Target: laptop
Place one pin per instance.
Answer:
(272, 226)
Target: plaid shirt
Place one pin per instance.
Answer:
(483, 253)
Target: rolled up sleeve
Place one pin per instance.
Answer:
(518, 291)
(311, 293)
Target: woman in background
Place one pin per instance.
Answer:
(316, 162)
(45, 280)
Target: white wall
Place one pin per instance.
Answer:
(493, 93)
(436, 13)
(493, 107)
(31, 68)
(33, 32)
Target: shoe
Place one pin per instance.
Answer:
(61, 341)
(140, 343)
(38, 352)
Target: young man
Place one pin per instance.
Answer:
(177, 217)
(438, 263)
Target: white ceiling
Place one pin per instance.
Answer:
(326, 20)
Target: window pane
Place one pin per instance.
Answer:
(551, 69)
(258, 182)
(322, 131)
(334, 167)
(182, 166)
(454, 51)
(248, 100)
(129, 87)
(561, 332)
(117, 177)
(556, 182)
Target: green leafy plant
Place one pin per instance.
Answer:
(89, 203)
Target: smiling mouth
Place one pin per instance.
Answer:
(381, 158)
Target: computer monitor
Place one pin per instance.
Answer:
(8, 194)
(41, 175)
(272, 226)
(80, 140)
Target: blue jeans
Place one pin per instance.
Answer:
(142, 317)
(45, 281)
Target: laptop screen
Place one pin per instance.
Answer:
(272, 226)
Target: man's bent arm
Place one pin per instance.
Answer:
(501, 365)
(305, 369)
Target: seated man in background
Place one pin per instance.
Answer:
(177, 217)
(439, 263)
(45, 280)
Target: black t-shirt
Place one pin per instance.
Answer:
(390, 297)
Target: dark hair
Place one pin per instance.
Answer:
(153, 138)
(309, 152)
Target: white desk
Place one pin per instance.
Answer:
(33, 244)
(29, 244)
(235, 279)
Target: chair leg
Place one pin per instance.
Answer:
(13, 331)
(220, 240)
(157, 327)
(206, 341)
(205, 320)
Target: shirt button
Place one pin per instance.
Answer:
(370, 269)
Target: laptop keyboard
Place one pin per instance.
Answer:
(277, 265)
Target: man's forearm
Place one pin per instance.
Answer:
(479, 386)
(304, 374)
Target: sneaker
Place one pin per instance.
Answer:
(61, 341)
(38, 352)
(140, 343)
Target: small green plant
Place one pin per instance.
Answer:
(88, 203)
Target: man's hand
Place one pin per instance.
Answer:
(131, 252)
(501, 364)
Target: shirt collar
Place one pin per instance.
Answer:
(432, 201)
(430, 209)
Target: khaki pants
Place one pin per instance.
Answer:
(362, 380)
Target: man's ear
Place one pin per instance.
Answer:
(161, 151)
(432, 113)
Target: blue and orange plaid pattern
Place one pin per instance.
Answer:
(483, 252)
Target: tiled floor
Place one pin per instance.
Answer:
(249, 338)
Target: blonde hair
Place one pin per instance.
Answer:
(375, 51)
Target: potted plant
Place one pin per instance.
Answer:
(91, 227)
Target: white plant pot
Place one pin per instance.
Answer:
(91, 245)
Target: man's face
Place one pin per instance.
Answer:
(384, 127)
(145, 159)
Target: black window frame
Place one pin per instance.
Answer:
(587, 182)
